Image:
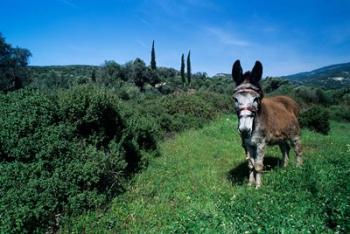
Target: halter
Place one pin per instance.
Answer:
(249, 108)
(248, 88)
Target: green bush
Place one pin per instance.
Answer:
(129, 92)
(192, 105)
(64, 154)
(271, 84)
(316, 118)
(190, 111)
(221, 103)
(340, 112)
(174, 113)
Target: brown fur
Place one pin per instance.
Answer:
(279, 118)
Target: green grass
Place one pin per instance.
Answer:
(198, 185)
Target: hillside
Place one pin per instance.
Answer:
(198, 186)
(334, 76)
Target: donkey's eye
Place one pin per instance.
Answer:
(236, 100)
(257, 99)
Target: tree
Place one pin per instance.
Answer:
(189, 74)
(139, 73)
(128, 71)
(112, 69)
(200, 75)
(153, 58)
(93, 75)
(112, 73)
(13, 63)
(182, 70)
(152, 76)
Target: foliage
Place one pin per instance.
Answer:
(139, 74)
(13, 62)
(153, 58)
(111, 72)
(93, 75)
(270, 84)
(189, 72)
(152, 76)
(340, 112)
(129, 92)
(182, 69)
(57, 77)
(316, 118)
(166, 73)
(176, 113)
(74, 150)
(62, 155)
(312, 95)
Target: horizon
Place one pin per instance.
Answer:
(308, 35)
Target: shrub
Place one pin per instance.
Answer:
(271, 84)
(221, 103)
(192, 105)
(316, 118)
(129, 92)
(340, 113)
(174, 113)
(93, 113)
(185, 111)
(64, 154)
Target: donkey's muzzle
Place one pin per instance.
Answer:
(245, 133)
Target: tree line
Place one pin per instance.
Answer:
(140, 74)
(14, 73)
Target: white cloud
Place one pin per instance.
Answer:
(226, 37)
(69, 3)
(142, 44)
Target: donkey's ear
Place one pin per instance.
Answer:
(256, 72)
(237, 73)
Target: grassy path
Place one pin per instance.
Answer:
(190, 188)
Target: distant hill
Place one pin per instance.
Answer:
(222, 75)
(334, 76)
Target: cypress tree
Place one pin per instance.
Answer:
(93, 76)
(182, 70)
(189, 74)
(153, 58)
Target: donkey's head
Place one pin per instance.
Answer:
(247, 96)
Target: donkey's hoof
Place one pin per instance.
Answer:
(299, 162)
(251, 184)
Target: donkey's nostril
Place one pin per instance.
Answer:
(245, 132)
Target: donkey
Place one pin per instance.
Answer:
(263, 121)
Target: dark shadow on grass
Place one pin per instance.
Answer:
(239, 174)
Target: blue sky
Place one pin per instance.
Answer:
(286, 36)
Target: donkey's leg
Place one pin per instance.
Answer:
(250, 159)
(284, 146)
(259, 163)
(296, 143)
(250, 154)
